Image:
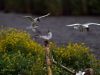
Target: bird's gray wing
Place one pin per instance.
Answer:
(88, 24)
(44, 16)
(95, 24)
(77, 24)
(29, 18)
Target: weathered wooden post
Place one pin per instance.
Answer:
(46, 39)
(48, 57)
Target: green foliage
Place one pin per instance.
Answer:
(97, 67)
(75, 56)
(13, 39)
(19, 54)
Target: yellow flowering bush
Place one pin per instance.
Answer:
(75, 56)
(13, 39)
(19, 54)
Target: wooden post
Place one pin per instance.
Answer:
(48, 57)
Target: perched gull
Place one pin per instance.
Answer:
(46, 37)
(80, 73)
(83, 26)
(34, 21)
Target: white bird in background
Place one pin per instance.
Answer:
(83, 26)
(46, 37)
(80, 73)
(87, 24)
(34, 21)
(76, 25)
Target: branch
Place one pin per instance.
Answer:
(65, 68)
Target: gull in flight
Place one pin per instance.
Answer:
(83, 26)
(76, 26)
(34, 21)
(46, 37)
(80, 73)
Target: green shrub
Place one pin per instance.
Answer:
(74, 56)
(20, 54)
(97, 67)
(13, 39)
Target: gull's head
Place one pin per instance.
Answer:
(38, 19)
(48, 31)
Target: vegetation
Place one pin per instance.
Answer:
(21, 55)
(55, 7)
(75, 57)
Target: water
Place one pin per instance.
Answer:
(61, 34)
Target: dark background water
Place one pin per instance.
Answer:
(61, 34)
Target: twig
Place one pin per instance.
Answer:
(65, 68)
